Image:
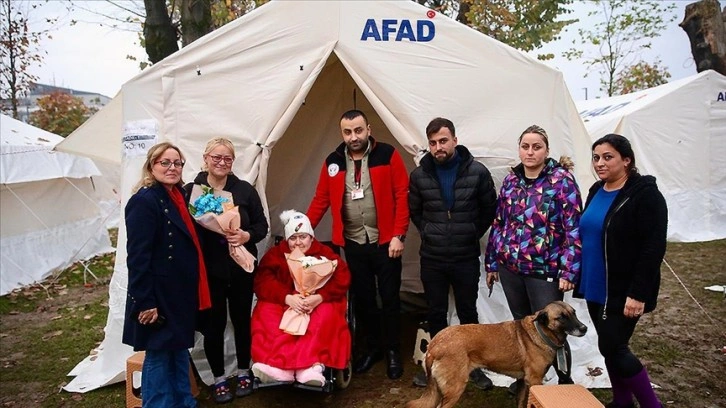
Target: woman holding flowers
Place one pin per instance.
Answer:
(279, 355)
(229, 284)
(167, 279)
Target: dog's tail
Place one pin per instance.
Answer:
(431, 397)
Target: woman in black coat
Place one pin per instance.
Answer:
(623, 231)
(229, 284)
(167, 279)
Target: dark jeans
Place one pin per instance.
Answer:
(237, 292)
(463, 278)
(613, 336)
(526, 295)
(371, 268)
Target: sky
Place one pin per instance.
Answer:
(89, 57)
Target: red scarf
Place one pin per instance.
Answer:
(205, 301)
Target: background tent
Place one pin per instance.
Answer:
(106, 156)
(34, 181)
(276, 81)
(678, 132)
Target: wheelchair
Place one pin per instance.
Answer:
(335, 379)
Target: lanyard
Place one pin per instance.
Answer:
(357, 173)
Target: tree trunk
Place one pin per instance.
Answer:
(159, 33)
(10, 72)
(705, 25)
(196, 20)
(464, 8)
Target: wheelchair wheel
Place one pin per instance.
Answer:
(342, 377)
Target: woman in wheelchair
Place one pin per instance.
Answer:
(283, 350)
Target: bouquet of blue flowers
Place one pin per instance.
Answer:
(216, 212)
(207, 202)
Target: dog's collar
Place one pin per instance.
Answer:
(560, 356)
(547, 339)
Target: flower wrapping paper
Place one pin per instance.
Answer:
(309, 274)
(215, 211)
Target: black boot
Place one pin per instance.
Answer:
(365, 362)
(395, 365)
(480, 380)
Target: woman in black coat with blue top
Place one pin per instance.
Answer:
(167, 280)
(623, 231)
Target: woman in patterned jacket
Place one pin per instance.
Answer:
(534, 245)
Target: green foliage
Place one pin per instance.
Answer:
(19, 51)
(60, 113)
(225, 11)
(625, 28)
(522, 24)
(640, 76)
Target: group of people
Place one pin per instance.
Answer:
(542, 244)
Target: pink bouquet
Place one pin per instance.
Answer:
(309, 274)
(216, 212)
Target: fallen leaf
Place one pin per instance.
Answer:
(53, 334)
(56, 317)
(594, 372)
(88, 317)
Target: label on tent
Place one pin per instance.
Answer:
(138, 137)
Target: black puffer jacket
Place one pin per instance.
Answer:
(452, 235)
(634, 236)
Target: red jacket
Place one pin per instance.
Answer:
(273, 280)
(389, 180)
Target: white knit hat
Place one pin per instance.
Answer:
(296, 222)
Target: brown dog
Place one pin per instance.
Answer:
(515, 348)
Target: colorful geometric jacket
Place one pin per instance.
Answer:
(536, 228)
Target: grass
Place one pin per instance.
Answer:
(59, 322)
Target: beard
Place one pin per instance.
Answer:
(358, 146)
(442, 157)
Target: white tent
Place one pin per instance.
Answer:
(35, 180)
(678, 133)
(85, 140)
(276, 81)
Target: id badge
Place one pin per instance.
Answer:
(356, 194)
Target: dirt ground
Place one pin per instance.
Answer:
(681, 343)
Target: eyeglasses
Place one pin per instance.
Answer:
(168, 163)
(226, 159)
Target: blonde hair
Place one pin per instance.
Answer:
(147, 177)
(536, 130)
(567, 163)
(212, 144)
